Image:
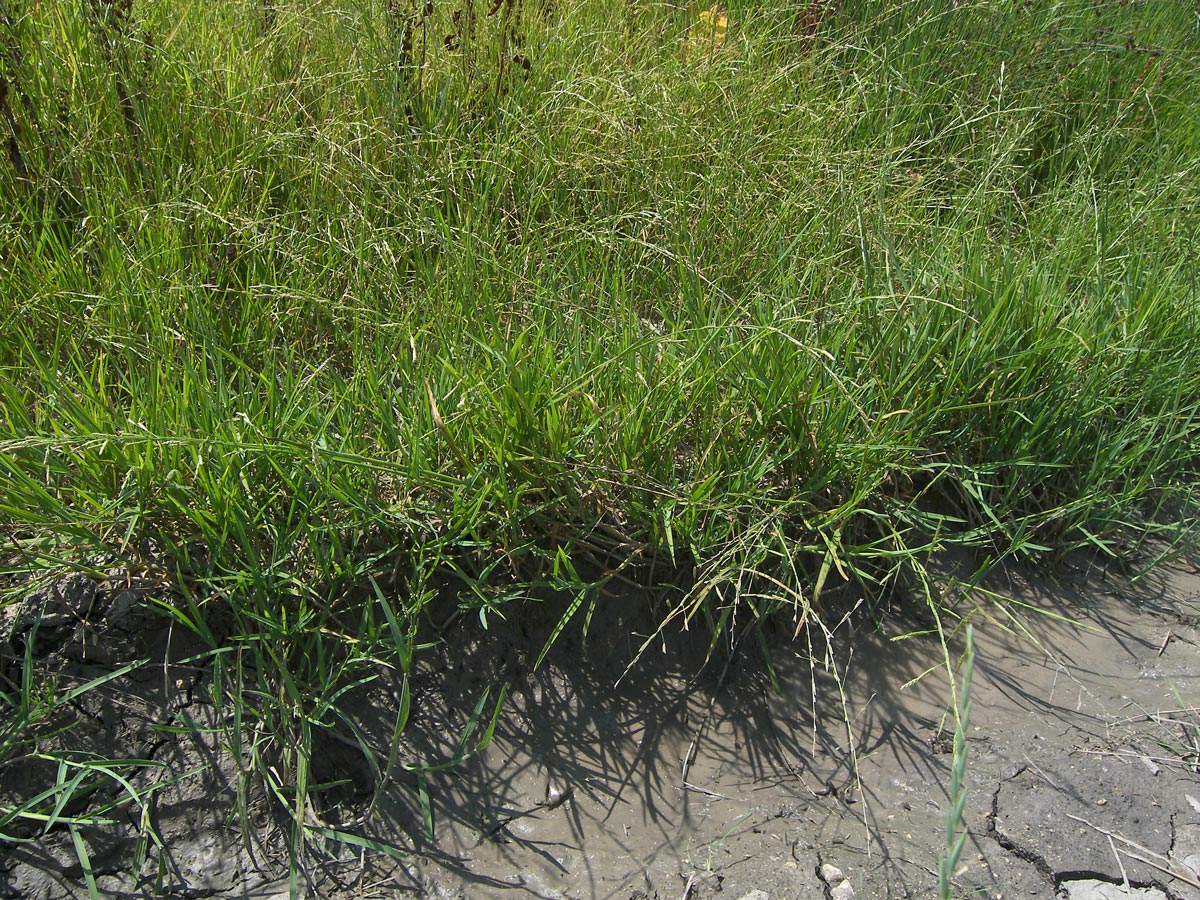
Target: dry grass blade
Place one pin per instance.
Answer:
(1143, 854)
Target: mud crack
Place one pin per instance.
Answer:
(1027, 854)
(826, 887)
(834, 883)
(1058, 879)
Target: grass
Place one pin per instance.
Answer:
(309, 302)
(956, 835)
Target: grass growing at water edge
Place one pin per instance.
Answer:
(310, 304)
(956, 834)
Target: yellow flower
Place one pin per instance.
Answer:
(708, 34)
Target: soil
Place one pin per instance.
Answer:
(816, 767)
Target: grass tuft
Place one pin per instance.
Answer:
(309, 302)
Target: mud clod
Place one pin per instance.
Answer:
(1023, 853)
(1091, 889)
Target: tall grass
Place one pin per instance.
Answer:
(302, 297)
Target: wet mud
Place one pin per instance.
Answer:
(816, 767)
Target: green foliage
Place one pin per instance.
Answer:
(956, 835)
(307, 296)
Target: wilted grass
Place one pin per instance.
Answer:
(306, 302)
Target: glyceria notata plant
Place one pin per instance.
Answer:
(956, 833)
(305, 297)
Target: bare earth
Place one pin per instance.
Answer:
(681, 781)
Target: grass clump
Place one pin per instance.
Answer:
(305, 297)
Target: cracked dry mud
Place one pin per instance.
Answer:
(1082, 770)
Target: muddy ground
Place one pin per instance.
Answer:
(674, 780)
